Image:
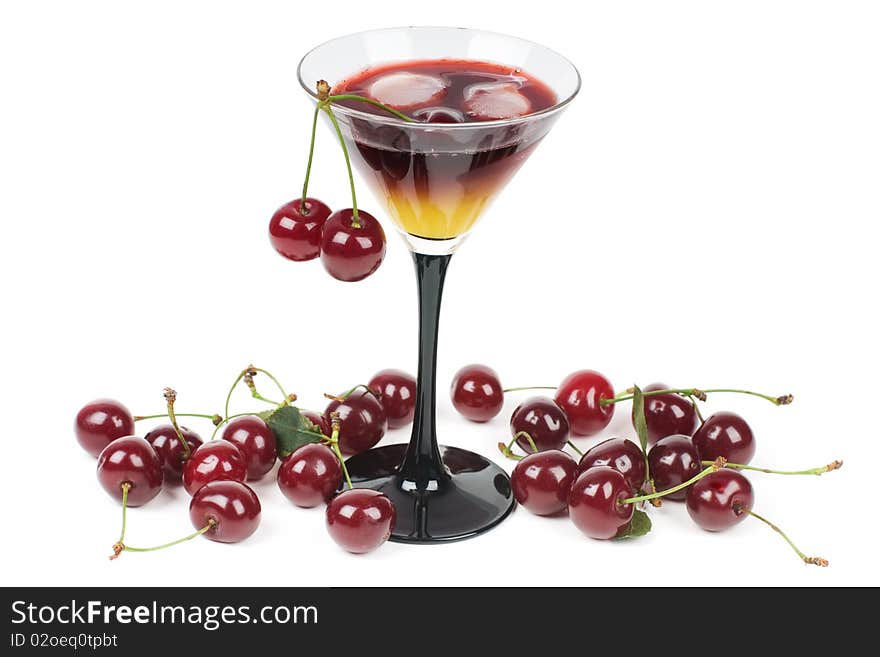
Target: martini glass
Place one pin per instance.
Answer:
(436, 180)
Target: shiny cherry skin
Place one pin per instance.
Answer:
(396, 391)
(214, 461)
(720, 500)
(318, 420)
(618, 453)
(231, 505)
(295, 230)
(725, 434)
(167, 445)
(100, 422)
(541, 481)
(256, 441)
(130, 459)
(543, 420)
(360, 519)
(668, 414)
(579, 395)
(349, 253)
(673, 460)
(362, 421)
(310, 475)
(594, 502)
(476, 392)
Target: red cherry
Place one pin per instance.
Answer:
(167, 445)
(349, 253)
(673, 460)
(100, 422)
(231, 505)
(214, 461)
(310, 475)
(668, 414)
(543, 420)
(725, 434)
(318, 420)
(579, 395)
(477, 393)
(396, 391)
(594, 502)
(618, 453)
(256, 441)
(541, 481)
(720, 500)
(362, 421)
(131, 460)
(360, 519)
(296, 234)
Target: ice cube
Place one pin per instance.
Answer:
(438, 115)
(405, 91)
(495, 100)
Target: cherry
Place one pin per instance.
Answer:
(100, 422)
(543, 420)
(296, 234)
(396, 391)
(213, 461)
(594, 502)
(310, 475)
(351, 253)
(477, 393)
(668, 414)
(167, 445)
(319, 421)
(618, 453)
(232, 507)
(360, 519)
(130, 460)
(541, 481)
(362, 421)
(725, 434)
(673, 460)
(579, 396)
(256, 441)
(720, 500)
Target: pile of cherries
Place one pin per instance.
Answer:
(133, 469)
(683, 456)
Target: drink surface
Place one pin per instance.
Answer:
(437, 182)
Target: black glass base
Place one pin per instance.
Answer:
(474, 498)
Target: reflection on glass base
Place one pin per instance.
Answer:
(475, 498)
(431, 246)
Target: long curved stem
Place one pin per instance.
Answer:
(211, 524)
(302, 206)
(834, 465)
(813, 561)
(651, 496)
(138, 418)
(355, 222)
(782, 400)
(125, 488)
(529, 388)
(170, 397)
(375, 103)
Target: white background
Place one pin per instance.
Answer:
(704, 214)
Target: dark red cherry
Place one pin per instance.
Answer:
(167, 445)
(231, 505)
(295, 230)
(362, 421)
(541, 481)
(100, 422)
(579, 395)
(396, 391)
(477, 393)
(256, 441)
(360, 520)
(618, 453)
(673, 460)
(594, 502)
(132, 460)
(214, 461)
(543, 420)
(318, 420)
(310, 475)
(350, 253)
(725, 434)
(720, 500)
(668, 414)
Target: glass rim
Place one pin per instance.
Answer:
(392, 120)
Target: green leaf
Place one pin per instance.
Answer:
(291, 428)
(639, 418)
(638, 526)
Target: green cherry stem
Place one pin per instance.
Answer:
(574, 447)
(834, 465)
(303, 207)
(507, 449)
(227, 419)
(126, 486)
(813, 561)
(716, 465)
(170, 398)
(530, 388)
(355, 221)
(334, 445)
(375, 103)
(700, 393)
(127, 548)
(138, 418)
